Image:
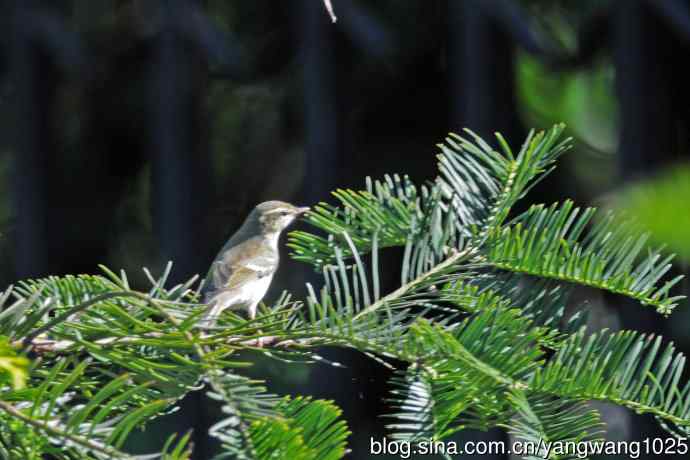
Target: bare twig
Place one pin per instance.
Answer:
(329, 8)
(47, 345)
(405, 288)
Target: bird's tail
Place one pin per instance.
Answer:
(210, 318)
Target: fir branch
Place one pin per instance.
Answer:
(413, 284)
(548, 243)
(64, 434)
(79, 308)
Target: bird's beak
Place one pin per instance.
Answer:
(301, 211)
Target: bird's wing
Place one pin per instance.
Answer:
(238, 265)
(243, 274)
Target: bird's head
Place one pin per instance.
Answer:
(275, 216)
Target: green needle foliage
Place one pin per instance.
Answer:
(478, 319)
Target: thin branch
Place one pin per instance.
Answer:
(405, 288)
(78, 308)
(329, 8)
(45, 345)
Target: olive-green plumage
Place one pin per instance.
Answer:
(243, 269)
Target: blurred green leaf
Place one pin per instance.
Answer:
(12, 367)
(663, 206)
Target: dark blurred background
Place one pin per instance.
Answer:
(133, 132)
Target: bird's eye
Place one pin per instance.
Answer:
(284, 213)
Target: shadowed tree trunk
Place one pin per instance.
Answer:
(642, 53)
(34, 82)
(653, 95)
(481, 76)
(319, 84)
(179, 168)
(481, 90)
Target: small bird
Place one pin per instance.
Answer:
(243, 269)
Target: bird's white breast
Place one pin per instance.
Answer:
(256, 290)
(251, 292)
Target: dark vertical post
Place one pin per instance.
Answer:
(179, 152)
(317, 47)
(171, 158)
(177, 161)
(322, 85)
(642, 55)
(481, 92)
(480, 71)
(644, 88)
(34, 89)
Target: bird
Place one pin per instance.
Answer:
(243, 270)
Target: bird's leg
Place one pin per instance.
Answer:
(251, 311)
